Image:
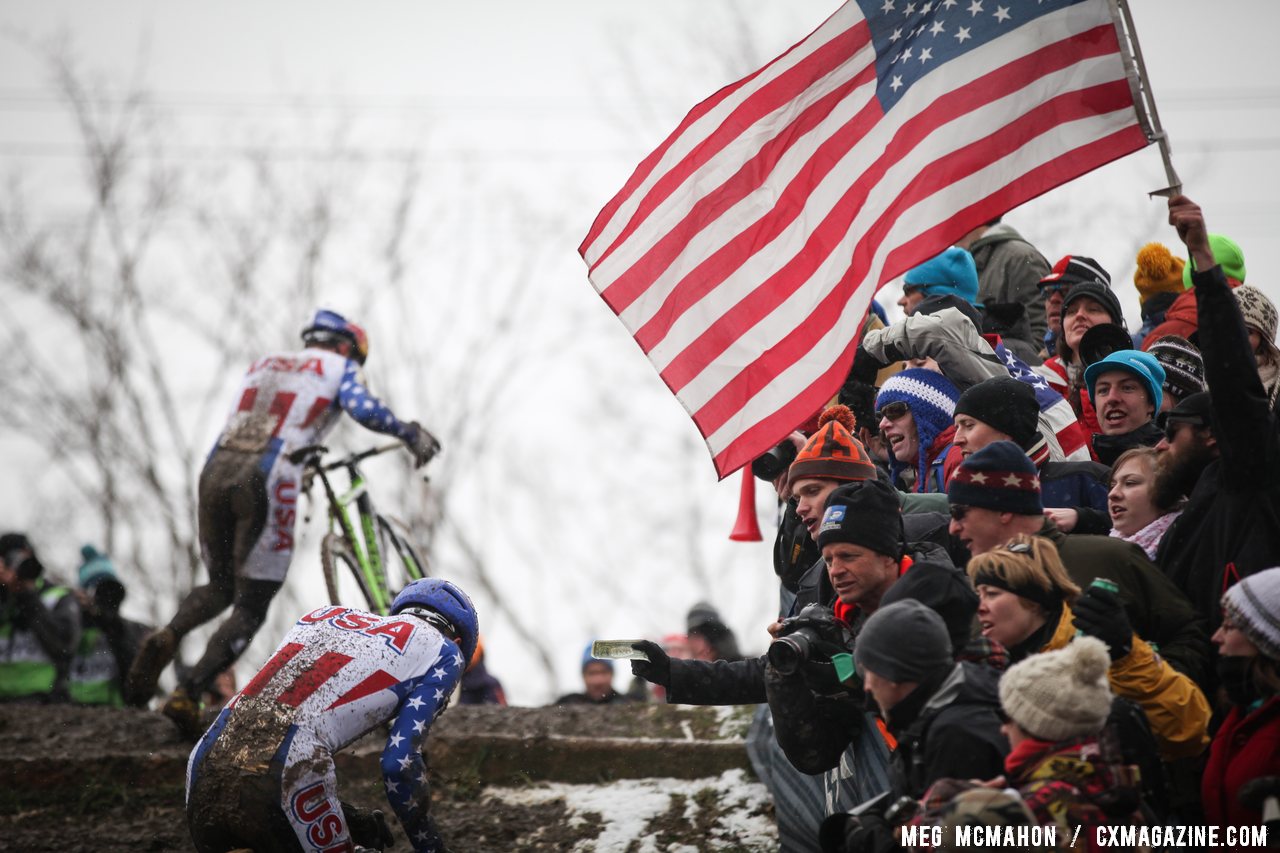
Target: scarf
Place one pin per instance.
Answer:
(1148, 538)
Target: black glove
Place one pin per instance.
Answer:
(865, 367)
(423, 445)
(657, 669)
(368, 827)
(846, 833)
(1100, 613)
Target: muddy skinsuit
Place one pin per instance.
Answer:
(263, 774)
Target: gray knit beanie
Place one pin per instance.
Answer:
(1062, 694)
(1253, 605)
(904, 641)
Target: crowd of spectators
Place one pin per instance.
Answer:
(1043, 586)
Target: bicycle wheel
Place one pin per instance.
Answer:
(342, 575)
(404, 565)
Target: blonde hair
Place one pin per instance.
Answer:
(1026, 564)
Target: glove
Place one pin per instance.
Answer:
(368, 827)
(1100, 613)
(846, 833)
(423, 445)
(655, 670)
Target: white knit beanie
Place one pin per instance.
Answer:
(1060, 695)
(1253, 605)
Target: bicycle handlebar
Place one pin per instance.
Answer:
(310, 455)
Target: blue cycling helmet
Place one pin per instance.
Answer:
(329, 327)
(450, 603)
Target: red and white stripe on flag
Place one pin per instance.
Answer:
(743, 253)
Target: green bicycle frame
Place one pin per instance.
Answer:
(370, 557)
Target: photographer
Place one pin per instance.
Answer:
(39, 627)
(820, 719)
(108, 641)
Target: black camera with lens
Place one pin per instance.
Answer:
(775, 462)
(787, 654)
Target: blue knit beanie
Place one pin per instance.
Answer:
(1143, 365)
(954, 272)
(95, 567)
(931, 397)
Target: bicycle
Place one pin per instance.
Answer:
(343, 553)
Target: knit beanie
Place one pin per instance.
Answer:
(1158, 272)
(1001, 477)
(832, 453)
(1253, 605)
(931, 397)
(953, 271)
(1141, 364)
(1228, 255)
(95, 567)
(904, 641)
(1062, 694)
(1259, 313)
(867, 514)
(1006, 404)
(1182, 363)
(1073, 269)
(1098, 292)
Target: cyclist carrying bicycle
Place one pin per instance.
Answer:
(248, 494)
(262, 777)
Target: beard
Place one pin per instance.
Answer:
(1175, 477)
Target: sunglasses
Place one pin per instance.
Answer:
(958, 512)
(893, 411)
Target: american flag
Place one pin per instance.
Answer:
(743, 253)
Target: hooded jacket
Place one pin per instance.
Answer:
(1009, 270)
(951, 731)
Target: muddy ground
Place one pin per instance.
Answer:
(631, 778)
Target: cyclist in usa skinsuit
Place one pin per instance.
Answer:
(248, 496)
(263, 774)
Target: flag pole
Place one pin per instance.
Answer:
(1143, 96)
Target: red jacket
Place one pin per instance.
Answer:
(1180, 319)
(1246, 747)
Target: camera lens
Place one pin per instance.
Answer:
(787, 654)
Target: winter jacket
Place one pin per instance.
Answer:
(1009, 270)
(1247, 746)
(1174, 705)
(952, 731)
(1074, 786)
(1157, 610)
(967, 358)
(1079, 485)
(39, 633)
(1180, 318)
(1107, 448)
(1230, 527)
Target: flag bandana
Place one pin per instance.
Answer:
(743, 253)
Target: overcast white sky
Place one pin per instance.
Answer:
(545, 93)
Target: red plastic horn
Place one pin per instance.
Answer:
(746, 528)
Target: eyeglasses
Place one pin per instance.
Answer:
(958, 512)
(893, 411)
